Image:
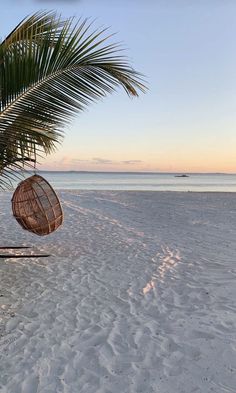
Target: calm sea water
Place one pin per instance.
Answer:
(141, 181)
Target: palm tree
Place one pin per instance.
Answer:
(50, 69)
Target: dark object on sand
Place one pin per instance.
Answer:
(13, 248)
(36, 206)
(7, 256)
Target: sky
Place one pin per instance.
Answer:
(186, 121)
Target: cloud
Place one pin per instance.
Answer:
(70, 163)
(77, 160)
(130, 162)
(98, 160)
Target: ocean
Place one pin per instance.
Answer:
(140, 181)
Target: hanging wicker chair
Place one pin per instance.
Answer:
(36, 206)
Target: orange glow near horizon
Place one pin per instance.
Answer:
(68, 164)
(169, 160)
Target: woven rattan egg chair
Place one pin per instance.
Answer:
(36, 206)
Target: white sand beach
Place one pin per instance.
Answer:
(138, 296)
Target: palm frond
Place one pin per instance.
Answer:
(50, 70)
(33, 27)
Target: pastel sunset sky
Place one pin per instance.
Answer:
(186, 122)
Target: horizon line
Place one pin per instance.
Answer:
(135, 172)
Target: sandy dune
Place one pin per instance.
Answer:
(139, 296)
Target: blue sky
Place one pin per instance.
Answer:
(187, 119)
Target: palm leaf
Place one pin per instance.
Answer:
(49, 70)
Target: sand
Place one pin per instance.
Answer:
(138, 296)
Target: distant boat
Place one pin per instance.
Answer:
(181, 175)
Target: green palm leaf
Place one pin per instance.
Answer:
(49, 70)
